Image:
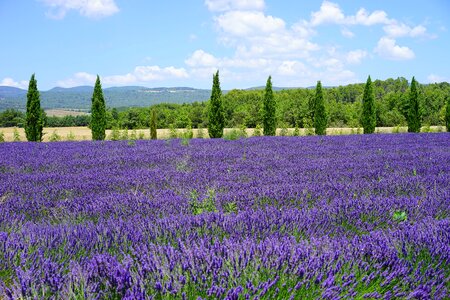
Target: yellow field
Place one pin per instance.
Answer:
(84, 133)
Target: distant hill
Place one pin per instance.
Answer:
(80, 97)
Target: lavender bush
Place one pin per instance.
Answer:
(259, 218)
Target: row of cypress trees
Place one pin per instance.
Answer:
(34, 123)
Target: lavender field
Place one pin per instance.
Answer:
(339, 217)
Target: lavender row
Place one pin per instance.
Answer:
(116, 219)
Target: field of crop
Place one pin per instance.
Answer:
(350, 217)
(84, 133)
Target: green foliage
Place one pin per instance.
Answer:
(68, 121)
(208, 204)
(414, 116)
(54, 137)
(269, 108)
(98, 113)
(115, 134)
(257, 131)
(369, 117)
(447, 113)
(234, 134)
(2, 137)
(172, 132)
(16, 135)
(320, 117)
(200, 132)
(133, 135)
(230, 207)
(243, 130)
(71, 136)
(216, 121)
(296, 131)
(12, 118)
(153, 132)
(34, 122)
(308, 125)
(399, 216)
(124, 135)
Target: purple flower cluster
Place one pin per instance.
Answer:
(337, 217)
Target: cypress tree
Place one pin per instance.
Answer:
(369, 116)
(269, 118)
(320, 117)
(447, 113)
(216, 122)
(153, 124)
(413, 108)
(98, 113)
(34, 122)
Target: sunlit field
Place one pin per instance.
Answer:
(351, 217)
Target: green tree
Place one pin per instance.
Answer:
(413, 108)
(269, 115)
(153, 134)
(447, 113)
(369, 116)
(216, 122)
(34, 122)
(98, 113)
(320, 116)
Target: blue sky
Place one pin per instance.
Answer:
(181, 43)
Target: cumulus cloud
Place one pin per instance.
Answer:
(355, 56)
(396, 29)
(141, 74)
(387, 48)
(8, 81)
(87, 8)
(245, 23)
(226, 5)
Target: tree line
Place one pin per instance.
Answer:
(379, 103)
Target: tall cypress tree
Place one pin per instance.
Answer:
(447, 113)
(34, 122)
(269, 118)
(369, 116)
(216, 122)
(98, 113)
(414, 123)
(320, 116)
(153, 134)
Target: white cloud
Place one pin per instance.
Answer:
(387, 48)
(356, 56)
(347, 33)
(226, 5)
(433, 78)
(363, 18)
(329, 13)
(200, 59)
(141, 74)
(86, 8)
(396, 29)
(245, 23)
(23, 84)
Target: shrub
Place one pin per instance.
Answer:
(257, 131)
(54, 137)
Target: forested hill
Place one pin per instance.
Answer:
(80, 97)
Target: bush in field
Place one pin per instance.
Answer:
(115, 134)
(54, 137)
(200, 132)
(414, 108)
(320, 117)
(2, 137)
(257, 131)
(269, 110)
(369, 116)
(71, 136)
(16, 135)
(447, 114)
(34, 121)
(216, 122)
(153, 133)
(98, 112)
